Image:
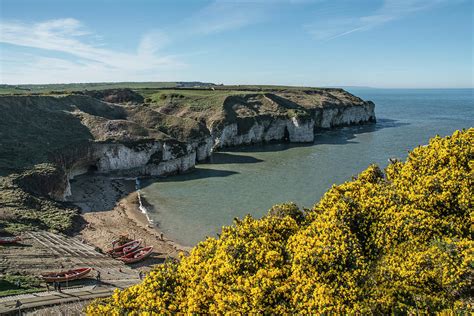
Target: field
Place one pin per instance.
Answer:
(48, 88)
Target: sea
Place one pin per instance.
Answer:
(250, 179)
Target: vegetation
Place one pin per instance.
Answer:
(144, 86)
(22, 210)
(196, 99)
(18, 284)
(388, 242)
(70, 87)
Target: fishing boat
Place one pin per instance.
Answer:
(119, 249)
(132, 247)
(9, 240)
(137, 255)
(64, 276)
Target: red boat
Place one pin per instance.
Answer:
(133, 246)
(137, 255)
(64, 276)
(9, 240)
(120, 248)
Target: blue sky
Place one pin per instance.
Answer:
(377, 43)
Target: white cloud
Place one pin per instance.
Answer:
(390, 10)
(151, 43)
(222, 16)
(69, 36)
(38, 69)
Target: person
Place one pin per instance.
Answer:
(55, 284)
(59, 287)
(18, 305)
(98, 276)
(47, 287)
(140, 275)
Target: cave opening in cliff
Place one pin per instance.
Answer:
(92, 169)
(286, 135)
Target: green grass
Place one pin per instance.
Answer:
(21, 210)
(196, 100)
(28, 284)
(65, 88)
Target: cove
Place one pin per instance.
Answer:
(249, 180)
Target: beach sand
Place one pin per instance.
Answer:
(110, 208)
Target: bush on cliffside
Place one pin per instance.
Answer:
(393, 242)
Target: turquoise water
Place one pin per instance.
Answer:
(249, 180)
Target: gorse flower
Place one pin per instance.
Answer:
(397, 241)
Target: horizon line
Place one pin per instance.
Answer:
(230, 84)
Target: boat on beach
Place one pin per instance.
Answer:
(64, 276)
(9, 240)
(137, 255)
(129, 246)
(132, 247)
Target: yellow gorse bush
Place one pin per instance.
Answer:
(393, 242)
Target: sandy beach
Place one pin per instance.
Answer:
(110, 207)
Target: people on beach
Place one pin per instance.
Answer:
(97, 277)
(140, 275)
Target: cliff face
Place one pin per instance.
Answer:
(293, 129)
(271, 117)
(76, 134)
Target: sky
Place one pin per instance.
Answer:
(376, 43)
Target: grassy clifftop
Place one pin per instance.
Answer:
(393, 242)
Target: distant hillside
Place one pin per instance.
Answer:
(69, 87)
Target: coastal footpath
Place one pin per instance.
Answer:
(48, 139)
